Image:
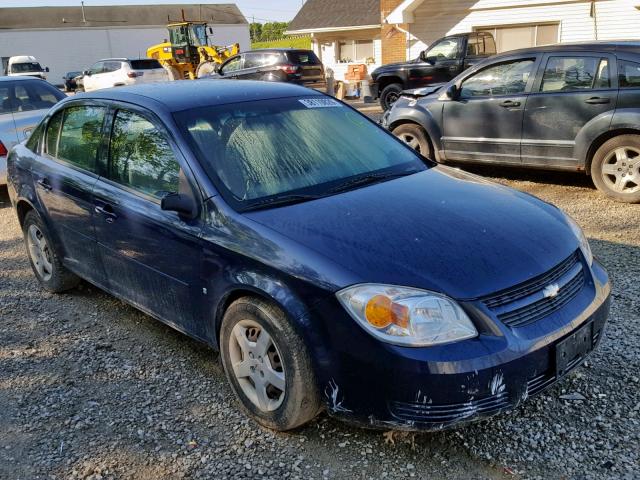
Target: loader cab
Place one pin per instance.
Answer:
(185, 38)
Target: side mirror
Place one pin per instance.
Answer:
(453, 92)
(180, 203)
(46, 69)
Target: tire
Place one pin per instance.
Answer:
(174, 73)
(416, 137)
(615, 168)
(45, 262)
(295, 400)
(389, 95)
(205, 69)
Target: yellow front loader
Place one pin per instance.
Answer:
(187, 54)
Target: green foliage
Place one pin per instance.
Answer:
(290, 42)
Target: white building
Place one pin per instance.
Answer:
(69, 39)
(384, 31)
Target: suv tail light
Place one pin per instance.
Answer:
(289, 69)
(3, 150)
(134, 74)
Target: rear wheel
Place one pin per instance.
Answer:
(416, 137)
(268, 365)
(390, 94)
(615, 168)
(205, 69)
(46, 264)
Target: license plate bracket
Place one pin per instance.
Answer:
(573, 349)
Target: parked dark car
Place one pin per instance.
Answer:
(301, 67)
(442, 61)
(330, 263)
(569, 107)
(70, 81)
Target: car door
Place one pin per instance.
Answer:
(112, 75)
(232, 67)
(570, 91)
(64, 176)
(92, 80)
(151, 257)
(484, 121)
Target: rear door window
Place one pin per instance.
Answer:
(140, 156)
(303, 58)
(566, 74)
(80, 135)
(628, 74)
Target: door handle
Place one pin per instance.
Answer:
(44, 183)
(597, 100)
(509, 104)
(107, 211)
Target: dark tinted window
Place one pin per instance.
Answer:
(564, 74)
(80, 135)
(34, 139)
(140, 156)
(306, 57)
(628, 74)
(25, 67)
(480, 45)
(266, 148)
(146, 64)
(53, 132)
(503, 79)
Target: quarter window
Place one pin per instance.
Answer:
(503, 79)
(53, 132)
(628, 74)
(80, 135)
(140, 156)
(565, 74)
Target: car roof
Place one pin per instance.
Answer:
(279, 50)
(631, 46)
(20, 79)
(185, 94)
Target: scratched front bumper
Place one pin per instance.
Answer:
(385, 386)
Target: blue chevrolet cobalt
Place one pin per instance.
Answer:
(332, 266)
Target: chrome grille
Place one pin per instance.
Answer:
(526, 303)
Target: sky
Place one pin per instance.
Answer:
(261, 10)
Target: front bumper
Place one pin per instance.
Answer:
(386, 386)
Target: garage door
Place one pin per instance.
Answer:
(513, 37)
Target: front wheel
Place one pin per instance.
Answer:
(416, 137)
(268, 365)
(390, 95)
(615, 168)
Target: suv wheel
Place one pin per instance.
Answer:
(268, 365)
(615, 168)
(46, 264)
(390, 94)
(415, 136)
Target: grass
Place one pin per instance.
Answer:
(293, 42)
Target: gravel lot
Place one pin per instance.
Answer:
(91, 388)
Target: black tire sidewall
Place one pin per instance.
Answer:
(389, 89)
(598, 160)
(301, 401)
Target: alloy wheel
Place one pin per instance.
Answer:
(257, 365)
(410, 140)
(621, 170)
(40, 253)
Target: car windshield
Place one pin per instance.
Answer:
(274, 151)
(26, 67)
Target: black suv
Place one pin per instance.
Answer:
(569, 107)
(443, 60)
(302, 67)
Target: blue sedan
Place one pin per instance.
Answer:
(333, 266)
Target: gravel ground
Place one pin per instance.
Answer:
(91, 388)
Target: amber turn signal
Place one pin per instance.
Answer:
(381, 312)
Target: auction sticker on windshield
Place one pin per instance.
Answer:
(319, 102)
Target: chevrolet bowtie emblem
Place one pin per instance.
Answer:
(551, 291)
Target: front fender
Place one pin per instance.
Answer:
(413, 112)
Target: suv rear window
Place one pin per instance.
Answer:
(303, 58)
(148, 64)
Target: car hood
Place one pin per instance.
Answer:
(396, 66)
(442, 230)
(423, 91)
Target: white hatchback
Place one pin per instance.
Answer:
(116, 72)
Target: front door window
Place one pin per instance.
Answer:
(503, 79)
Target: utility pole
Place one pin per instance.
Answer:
(84, 19)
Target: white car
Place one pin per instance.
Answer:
(117, 72)
(25, 66)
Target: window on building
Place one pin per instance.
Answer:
(523, 36)
(355, 50)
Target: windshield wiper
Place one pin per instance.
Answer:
(282, 200)
(368, 179)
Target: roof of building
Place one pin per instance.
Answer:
(179, 96)
(328, 14)
(117, 15)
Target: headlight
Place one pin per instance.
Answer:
(584, 243)
(407, 316)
